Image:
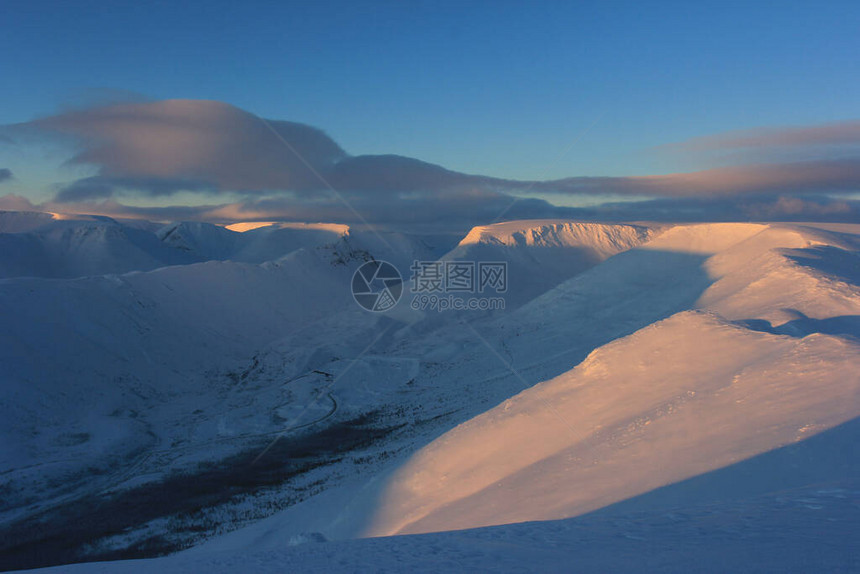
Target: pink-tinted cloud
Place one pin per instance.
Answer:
(12, 202)
(846, 133)
(191, 140)
(773, 179)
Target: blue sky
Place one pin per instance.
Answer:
(520, 90)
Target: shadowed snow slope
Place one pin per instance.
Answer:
(543, 253)
(73, 248)
(65, 246)
(86, 362)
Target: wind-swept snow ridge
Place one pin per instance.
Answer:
(542, 253)
(695, 392)
(602, 237)
(679, 398)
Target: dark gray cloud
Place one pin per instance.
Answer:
(6, 174)
(460, 211)
(102, 187)
(394, 173)
(452, 207)
(481, 208)
(753, 208)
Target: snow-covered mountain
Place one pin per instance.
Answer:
(53, 245)
(244, 404)
(541, 254)
(38, 246)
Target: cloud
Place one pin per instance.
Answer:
(800, 177)
(830, 142)
(100, 187)
(798, 208)
(158, 148)
(755, 208)
(481, 209)
(12, 202)
(5, 174)
(192, 140)
(806, 160)
(247, 167)
(394, 173)
(846, 133)
(453, 211)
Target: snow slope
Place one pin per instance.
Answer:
(542, 253)
(704, 346)
(645, 359)
(103, 376)
(771, 523)
(635, 407)
(66, 246)
(22, 221)
(96, 369)
(90, 246)
(685, 395)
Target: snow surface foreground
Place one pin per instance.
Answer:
(658, 397)
(794, 531)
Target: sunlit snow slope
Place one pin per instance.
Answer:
(767, 356)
